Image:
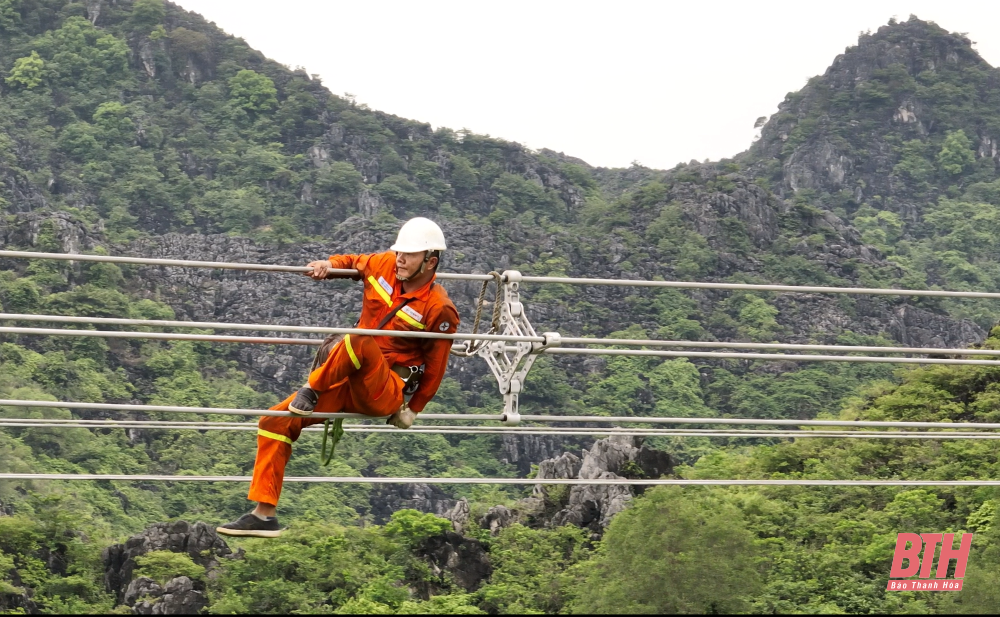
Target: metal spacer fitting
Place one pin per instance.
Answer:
(511, 276)
(552, 339)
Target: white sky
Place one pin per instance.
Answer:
(611, 83)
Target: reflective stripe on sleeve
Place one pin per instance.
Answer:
(378, 289)
(350, 352)
(261, 432)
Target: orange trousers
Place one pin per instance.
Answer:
(355, 378)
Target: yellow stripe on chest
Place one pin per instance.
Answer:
(379, 290)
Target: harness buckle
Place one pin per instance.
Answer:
(410, 375)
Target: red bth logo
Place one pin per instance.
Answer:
(908, 549)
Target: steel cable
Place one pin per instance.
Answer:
(497, 417)
(157, 323)
(510, 481)
(220, 338)
(527, 279)
(458, 430)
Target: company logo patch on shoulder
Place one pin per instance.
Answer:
(385, 285)
(444, 326)
(412, 313)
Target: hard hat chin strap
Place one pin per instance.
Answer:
(423, 267)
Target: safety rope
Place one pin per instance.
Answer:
(334, 436)
(497, 279)
(333, 429)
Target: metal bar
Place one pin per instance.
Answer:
(159, 323)
(229, 411)
(164, 336)
(513, 481)
(527, 279)
(563, 280)
(220, 338)
(783, 346)
(268, 340)
(206, 425)
(496, 417)
(555, 430)
(431, 430)
(763, 422)
(764, 356)
(222, 265)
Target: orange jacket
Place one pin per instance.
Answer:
(429, 310)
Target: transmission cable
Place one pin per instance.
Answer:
(559, 280)
(549, 432)
(774, 357)
(510, 481)
(157, 323)
(476, 417)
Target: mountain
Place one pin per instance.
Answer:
(138, 128)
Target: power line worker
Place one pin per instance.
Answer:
(363, 374)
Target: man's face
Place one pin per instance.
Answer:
(408, 265)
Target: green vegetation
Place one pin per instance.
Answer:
(152, 121)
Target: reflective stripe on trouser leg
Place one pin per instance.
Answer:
(262, 433)
(274, 447)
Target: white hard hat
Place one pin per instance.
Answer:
(419, 234)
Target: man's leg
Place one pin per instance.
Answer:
(359, 361)
(374, 389)
(355, 377)
(275, 436)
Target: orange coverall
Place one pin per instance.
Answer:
(357, 376)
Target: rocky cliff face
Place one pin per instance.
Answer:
(266, 298)
(452, 559)
(180, 595)
(589, 506)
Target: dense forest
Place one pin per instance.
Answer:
(134, 127)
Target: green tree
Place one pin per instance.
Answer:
(147, 15)
(914, 162)
(463, 175)
(161, 566)
(339, 178)
(81, 56)
(518, 194)
(253, 92)
(414, 527)
(530, 569)
(113, 121)
(956, 153)
(673, 551)
(10, 15)
(27, 72)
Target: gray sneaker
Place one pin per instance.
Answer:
(250, 525)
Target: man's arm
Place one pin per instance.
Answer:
(435, 359)
(321, 269)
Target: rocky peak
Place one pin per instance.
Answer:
(843, 132)
(587, 506)
(198, 540)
